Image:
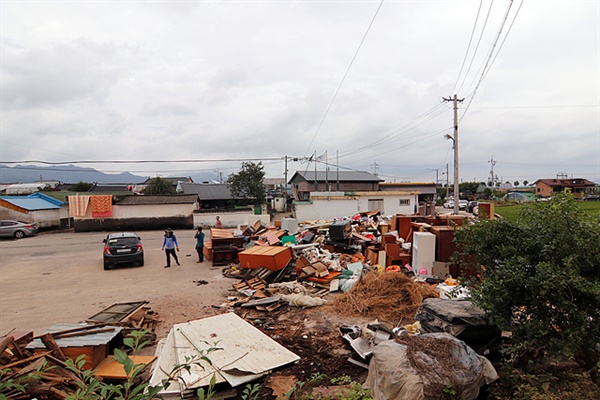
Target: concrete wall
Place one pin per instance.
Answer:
(139, 217)
(230, 219)
(328, 207)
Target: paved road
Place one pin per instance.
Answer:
(59, 278)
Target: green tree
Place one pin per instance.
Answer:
(159, 185)
(516, 183)
(525, 183)
(248, 182)
(81, 186)
(468, 189)
(539, 277)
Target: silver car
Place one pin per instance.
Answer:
(17, 229)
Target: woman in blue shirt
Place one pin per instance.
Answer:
(169, 246)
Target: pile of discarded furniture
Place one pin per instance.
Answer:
(41, 361)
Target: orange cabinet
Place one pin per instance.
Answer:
(272, 258)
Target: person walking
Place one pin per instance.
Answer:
(218, 223)
(199, 244)
(169, 246)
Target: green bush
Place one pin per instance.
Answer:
(539, 277)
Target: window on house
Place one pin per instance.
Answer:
(405, 202)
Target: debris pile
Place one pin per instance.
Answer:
(385, 296)
(44, 366)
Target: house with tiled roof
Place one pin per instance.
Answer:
(210, 195)
(577, 186)
(304, 182)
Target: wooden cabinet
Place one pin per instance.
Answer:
(272, 258)
(444, 244)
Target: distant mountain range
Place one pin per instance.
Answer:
(74, 174)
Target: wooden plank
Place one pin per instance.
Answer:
(325, 279)
(111, 369)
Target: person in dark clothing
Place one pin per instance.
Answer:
(169, 246)
(199, 244)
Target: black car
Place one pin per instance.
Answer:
(121, 248)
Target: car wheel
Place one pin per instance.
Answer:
(106, 266)
(141, 263)
(19, 235)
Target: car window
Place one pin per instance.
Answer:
(8, 223)
(123, 241)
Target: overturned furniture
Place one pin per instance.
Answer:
(461, 319)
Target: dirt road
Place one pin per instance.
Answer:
(59, 278)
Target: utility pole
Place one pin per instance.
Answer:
(492, 163)
(447, 182)
(337, 179)
(375, 167)
(316, 181)
(436, 182)
(286, 178)
(455, 100)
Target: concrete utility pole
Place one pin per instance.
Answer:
(447, 182)
(492, 163)
(455, 100)
(435, 196)
(286, 178)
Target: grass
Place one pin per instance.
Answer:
(511, 211)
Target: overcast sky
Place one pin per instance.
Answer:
(191, 80)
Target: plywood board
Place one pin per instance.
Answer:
(246, 354)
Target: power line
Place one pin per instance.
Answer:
(468, 47)
(141, 161)
(399, 131)
(476, 48)
(490, 60)
(343, 79)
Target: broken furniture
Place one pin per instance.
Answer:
(423, 252)
(109, 368)
(92, 341)
(461, 319)
(224, 247)
(272, 258)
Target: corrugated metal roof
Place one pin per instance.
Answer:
(166, 199)
(208, 191)
(85, 340)
(332, 176)
(30, 203)
(246, 354)
(274, 181)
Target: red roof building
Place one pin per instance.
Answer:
(549, 187)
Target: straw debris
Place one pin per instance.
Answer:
(388, 296)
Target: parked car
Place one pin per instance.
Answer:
(592, 197)
(122, 248)
(462, 204)
(449, 204)
(471, 206)
(17, 229)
